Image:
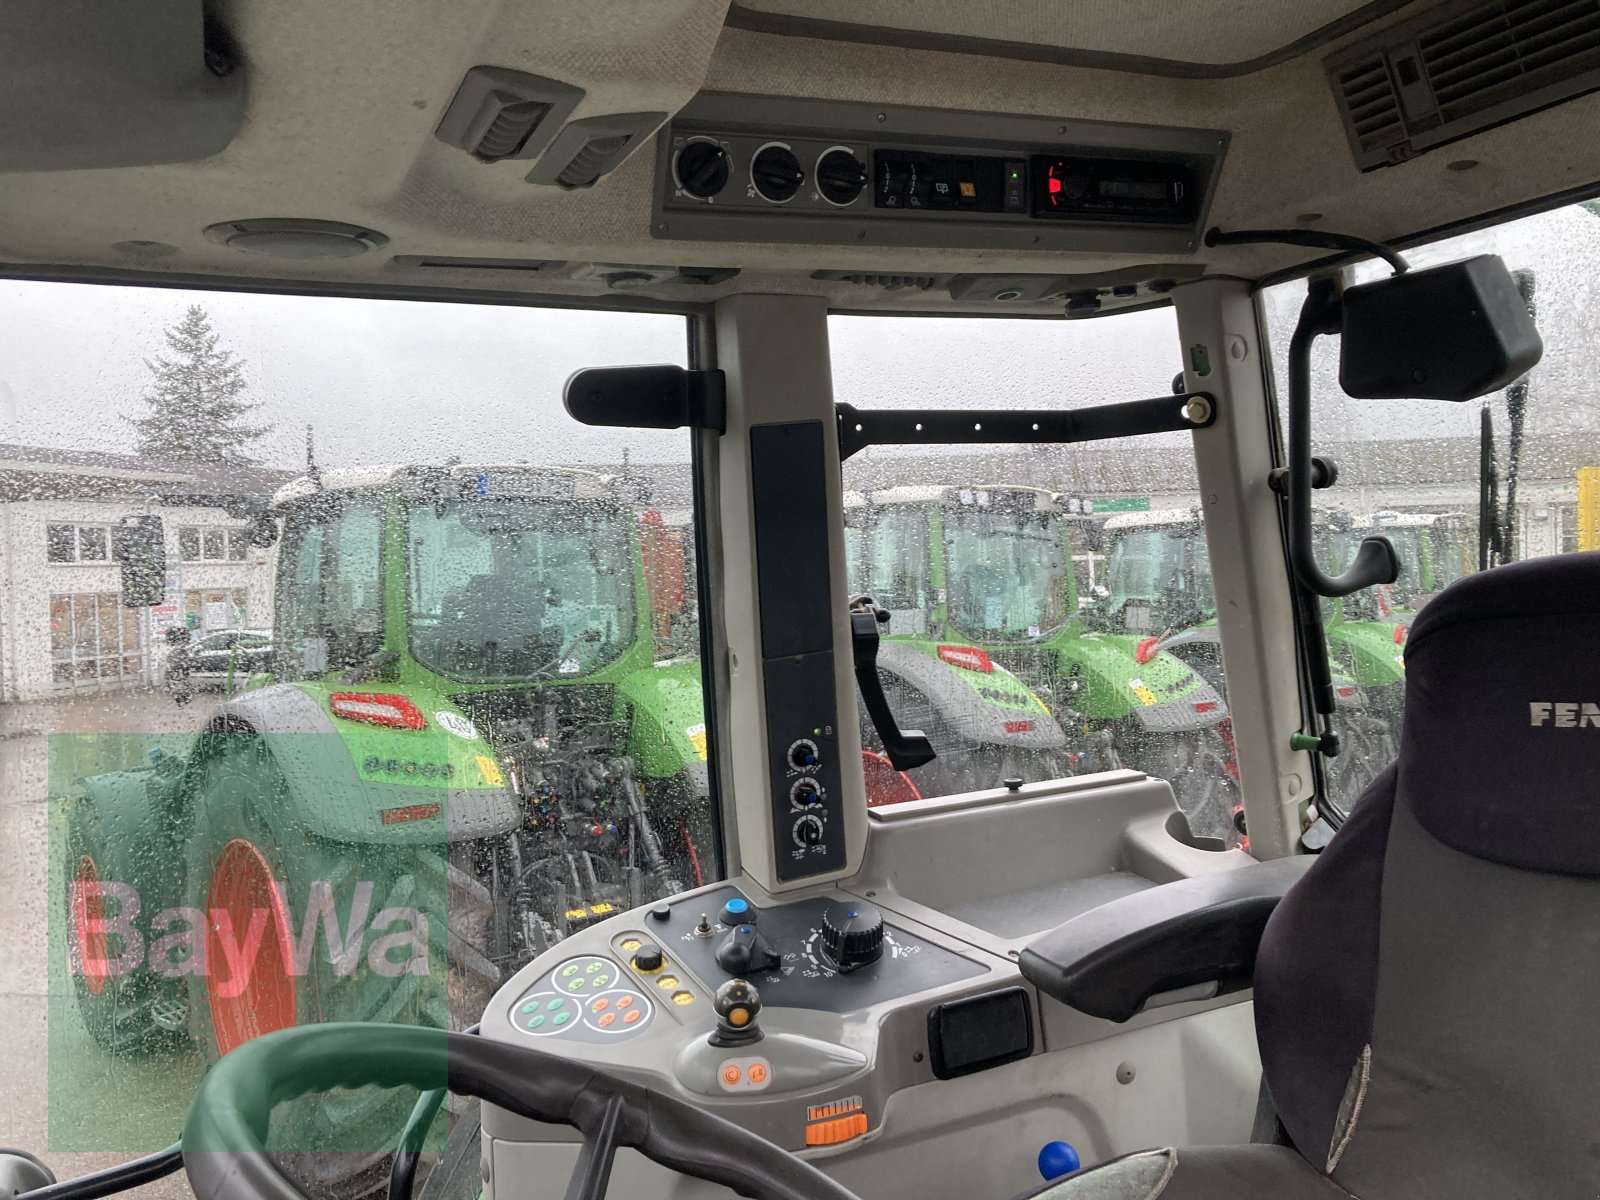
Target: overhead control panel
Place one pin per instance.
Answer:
(751, 168)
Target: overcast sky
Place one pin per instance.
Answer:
(391, 380)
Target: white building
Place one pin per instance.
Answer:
(62, 625)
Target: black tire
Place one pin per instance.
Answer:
(337, 1144)
(128, 1013)
(1195, 764)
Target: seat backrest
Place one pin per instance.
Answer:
(1426, 997)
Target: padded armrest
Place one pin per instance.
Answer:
(1111, 960)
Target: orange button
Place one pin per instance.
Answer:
(600, 1005)
(631, 1017)
(608, 1020)
(738, 1017)
(840, 1129)
(624, 1001)
(731, 1075)
(757, 1073)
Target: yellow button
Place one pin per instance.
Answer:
(629, 945)
(667, 981)
(683, 997)
(840, 1129)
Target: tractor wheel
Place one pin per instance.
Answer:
(1195, 763)
(254, 879)
(1366, 747)
(127, 1011)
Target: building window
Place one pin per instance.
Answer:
(1567, 527)
(95, 643)
(77, 543)
(212, 543)
(210, 610)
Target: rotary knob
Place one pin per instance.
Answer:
(701, 168)
(841, 176)
(852, 935)
(776, 173)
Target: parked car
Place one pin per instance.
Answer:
(243, 651)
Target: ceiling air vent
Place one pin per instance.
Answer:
(595, 146)
(499, 113)
(1440, 77)
(886, 283)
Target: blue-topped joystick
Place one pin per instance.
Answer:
(1058, 1159)
(737, 911)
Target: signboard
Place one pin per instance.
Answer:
(1123, 504)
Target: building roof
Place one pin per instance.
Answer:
(50, 472)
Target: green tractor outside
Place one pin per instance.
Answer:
(1158, 566)
(465, 750)
(992, 567)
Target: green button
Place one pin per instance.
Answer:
(569, 970)
(536, 1021)
(575, 986)
(530, 1006)
(600, 981)
(593, 967)
(561, 1018)
(555, 1004)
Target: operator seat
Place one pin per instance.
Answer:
(1426, 995)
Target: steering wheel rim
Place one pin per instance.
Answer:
(225, 1156)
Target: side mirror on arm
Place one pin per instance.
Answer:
(140, 547)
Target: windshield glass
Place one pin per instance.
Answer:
(887, 548)
(1005, 572)
(519, 588)
(1164, 570)
(476, 728)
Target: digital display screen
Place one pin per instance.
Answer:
(1132, 189)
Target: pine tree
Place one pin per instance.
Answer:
(197, 410)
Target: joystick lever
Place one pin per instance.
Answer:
(737, 1004)
(744, 952)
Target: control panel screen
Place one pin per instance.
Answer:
(1089, 189)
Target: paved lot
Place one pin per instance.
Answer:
(126, 1107)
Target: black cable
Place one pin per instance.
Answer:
(1321, 239)
(114, 1179)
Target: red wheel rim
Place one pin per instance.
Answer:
(88, 926)
(263, 1000)
(885, 785)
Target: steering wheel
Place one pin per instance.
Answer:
(224, 1150)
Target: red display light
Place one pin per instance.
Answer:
(968, 658)
(377, 708)
(1206, 706)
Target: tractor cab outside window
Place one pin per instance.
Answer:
(527, 588)
(1006, 566)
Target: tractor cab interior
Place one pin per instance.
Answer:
(758, 677)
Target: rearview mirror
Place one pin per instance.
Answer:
(1451, 332)
(140, 546)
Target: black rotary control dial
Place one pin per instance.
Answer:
(702, 168)
(852, 935)
(776, 173)
(841, 176)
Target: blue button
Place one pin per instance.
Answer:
(737, 911)
(1057, 1159)
(738, 905)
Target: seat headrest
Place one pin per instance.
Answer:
(1500, 749)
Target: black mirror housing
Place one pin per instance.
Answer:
(1452, 332)
(139, 544)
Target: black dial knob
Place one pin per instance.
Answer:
(841, 176)
(852, 935)
(808, 831)
(777, 173)
(702, 169)
(648, 958)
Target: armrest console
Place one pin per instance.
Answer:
(1111, 960)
